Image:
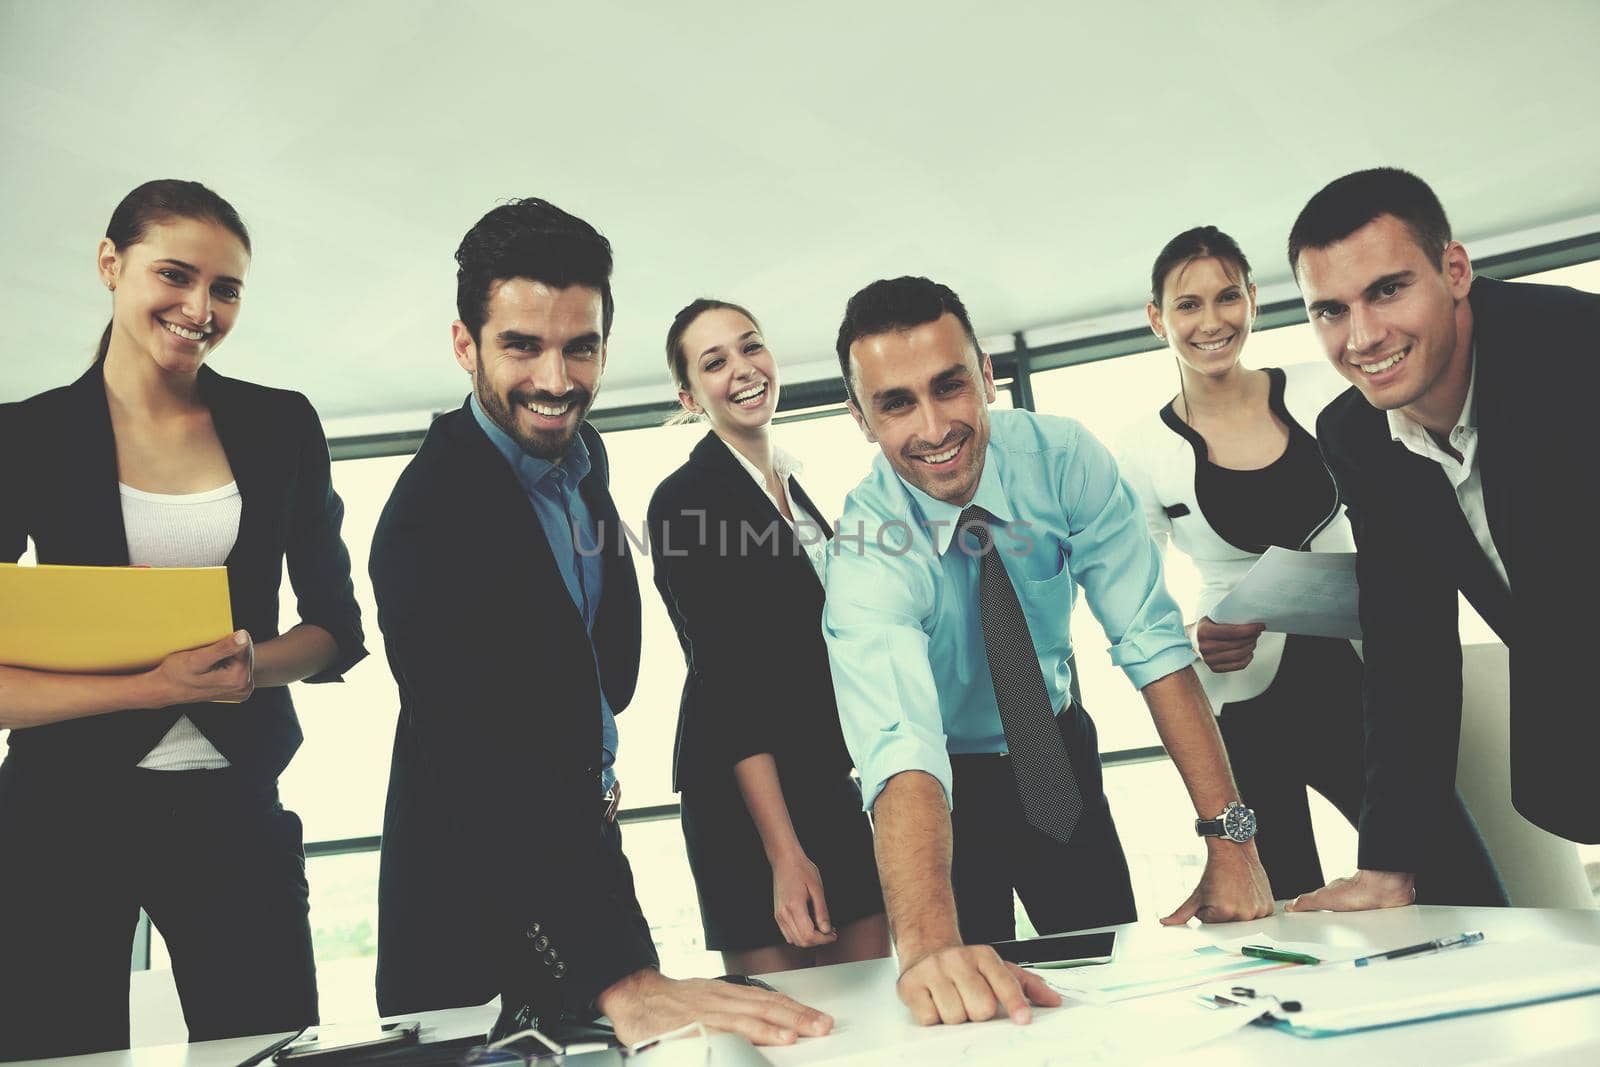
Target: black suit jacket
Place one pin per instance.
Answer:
(747, 606)
(1535, 353)
(58, 485)
(495, 876)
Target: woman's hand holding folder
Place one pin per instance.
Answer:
(223, 671)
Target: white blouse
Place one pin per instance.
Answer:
(808, 529)
(181, 530)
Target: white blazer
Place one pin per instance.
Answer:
(1160, 465)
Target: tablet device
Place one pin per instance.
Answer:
(1061, 950)
(325, 1044)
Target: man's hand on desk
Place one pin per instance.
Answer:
(647, 1003)
(1365, 891)
(1233, 887)
(962, 983)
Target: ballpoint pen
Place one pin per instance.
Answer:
(1438, 944)
(1267, 952)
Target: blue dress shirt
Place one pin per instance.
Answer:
(552, 489)
(905, 639)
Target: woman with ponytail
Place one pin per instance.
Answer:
(1226, 468)
(158, 789)
(779, 847)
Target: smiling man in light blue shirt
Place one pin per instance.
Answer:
(917, 699)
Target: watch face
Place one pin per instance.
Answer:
(1239, 823)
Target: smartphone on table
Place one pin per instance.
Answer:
(327, 1044)
(1060, 950)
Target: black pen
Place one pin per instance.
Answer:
(1438, 944)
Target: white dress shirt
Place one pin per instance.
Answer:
(807, 529)
(1465, 475)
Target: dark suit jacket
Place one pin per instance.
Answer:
(495, 875)
(1536, 372)
(747, 606)
(58, 485)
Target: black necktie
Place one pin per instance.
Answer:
(1046, 783)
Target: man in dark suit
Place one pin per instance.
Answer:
(1454, 454)
(510, 613)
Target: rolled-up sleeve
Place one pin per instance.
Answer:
(873, 622)
(319, 563)
(1118, 565)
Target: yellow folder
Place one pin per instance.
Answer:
(108, 620)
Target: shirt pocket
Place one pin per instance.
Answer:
(1047, 604)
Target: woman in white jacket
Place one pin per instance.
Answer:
(1226, 468)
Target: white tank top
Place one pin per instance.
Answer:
(182, 530)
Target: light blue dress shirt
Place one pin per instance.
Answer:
(552, 489)
(905, 639)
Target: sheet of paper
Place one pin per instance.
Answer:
(1065, 1037)
(108, 619)
(1152, 976)
(1481, 977)
(1325, 953)
(1312, 593)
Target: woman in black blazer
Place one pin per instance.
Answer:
(158, 790)
(780, 848)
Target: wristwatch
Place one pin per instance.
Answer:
(1236, 823)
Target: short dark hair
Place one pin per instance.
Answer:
(163, 200)
(1202, 242)
(896, 304)
(1349, 203)
(530, 238)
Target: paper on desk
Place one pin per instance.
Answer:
(1151, 976)
(1476, 978)
(108, 619)
(1325, 953)
(1061, 1037)
(1312, 593)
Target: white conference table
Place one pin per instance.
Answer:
(868, 1014)
(870, 1019)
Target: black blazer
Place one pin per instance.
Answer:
(747, 606)
(495, 878)
(58, 485)
(1535, 389)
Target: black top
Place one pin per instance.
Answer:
(1284, 503)
(495, 877)
(58, 485)
(747, 605)
(1536, 378)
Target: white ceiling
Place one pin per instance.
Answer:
(1034, 156)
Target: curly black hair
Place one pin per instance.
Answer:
(530, 238)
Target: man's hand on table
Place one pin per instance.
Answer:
(1365, 891)
(970, 983)
(646, 1004)
(1233, 887)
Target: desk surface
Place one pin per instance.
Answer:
(869, 1016)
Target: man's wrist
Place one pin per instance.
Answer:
(1229, 848)
(913, 950)
(620, 995)
(1388, 879)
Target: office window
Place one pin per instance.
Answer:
(338, 778)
